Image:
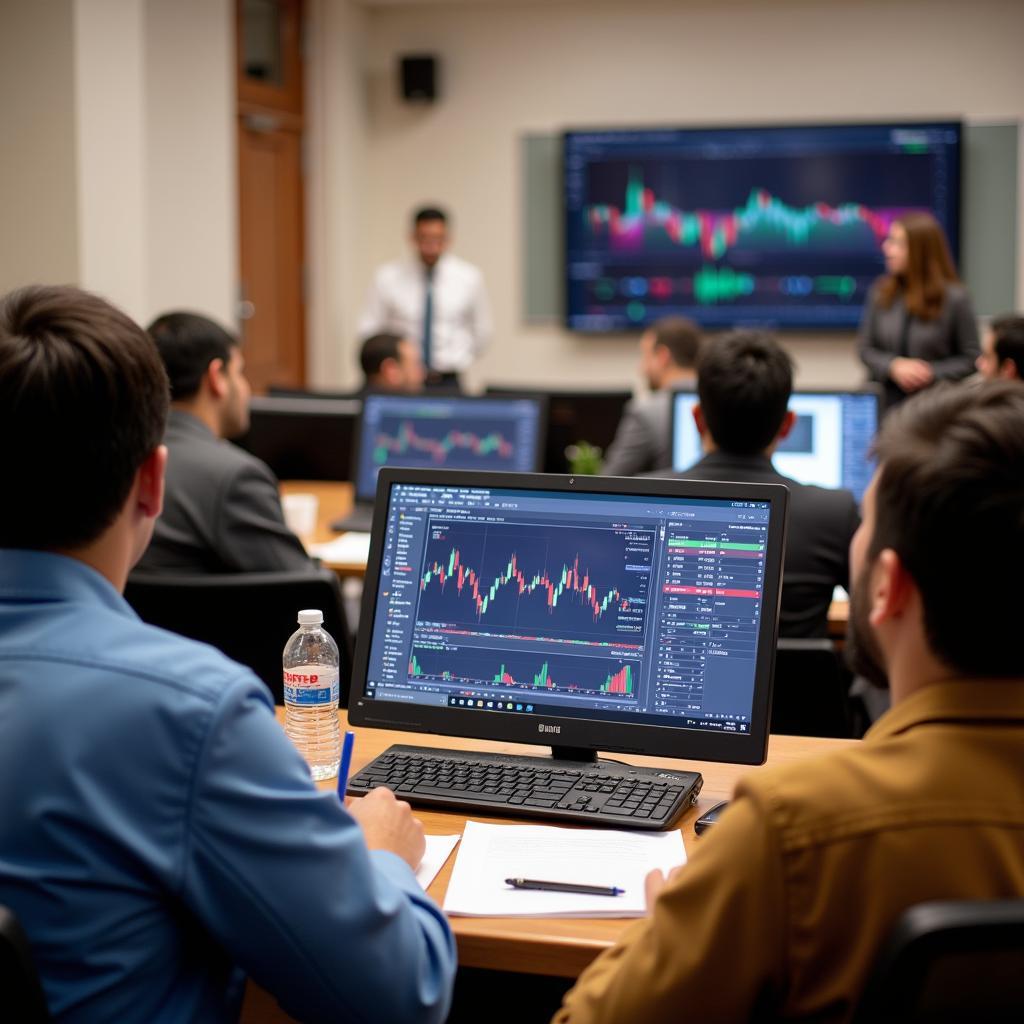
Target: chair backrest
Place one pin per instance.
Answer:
(249, 616)
(21, 994)
(950, 961)
(810, 695)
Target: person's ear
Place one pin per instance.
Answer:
(1008, 370)
(217, 378)
(788, 422)
(699, 421)
(150, 478)
(389, 371)
(890, 587)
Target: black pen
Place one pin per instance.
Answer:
(586, 890)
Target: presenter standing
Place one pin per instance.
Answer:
(918, 325)
(434, 298)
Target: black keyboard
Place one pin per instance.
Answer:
(604, 793)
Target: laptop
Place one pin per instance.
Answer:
(442, 432)
(829, 445)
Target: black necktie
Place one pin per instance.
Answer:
(428, 317)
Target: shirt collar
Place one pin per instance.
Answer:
(720, 458)
(43, 576)
(969, 700)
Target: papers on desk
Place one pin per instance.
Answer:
(439, 849)
(351, 548)
(491, 853)
(839, 594)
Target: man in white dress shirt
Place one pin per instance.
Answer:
(434, 298)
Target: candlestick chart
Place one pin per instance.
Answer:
(438, 443)
(537, 582)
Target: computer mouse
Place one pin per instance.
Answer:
(709, 817)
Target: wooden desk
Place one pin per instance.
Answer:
(561, 947)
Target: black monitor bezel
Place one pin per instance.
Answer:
(357, 436)
(674, 411)
(586, 734)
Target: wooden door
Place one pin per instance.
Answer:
(270, 189)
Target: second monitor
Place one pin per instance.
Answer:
(829, 444)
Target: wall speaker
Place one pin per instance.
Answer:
(419, 78)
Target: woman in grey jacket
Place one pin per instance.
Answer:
(918, 324)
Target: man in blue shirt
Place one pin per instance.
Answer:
(160, 838)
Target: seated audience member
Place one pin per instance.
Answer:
(1002, 348)
(160, 837)
(785, 903)
(668, 353)
(391, 363)
(744, 381)
(222, 510)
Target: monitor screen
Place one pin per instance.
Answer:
(829, 444)
(601, 614)
(303, 437)
(448, 432)
(768, 226)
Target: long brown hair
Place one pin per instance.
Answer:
(929, 268)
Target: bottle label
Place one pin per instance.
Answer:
(319, 686)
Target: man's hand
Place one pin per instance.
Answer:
(388, 824)
(656, 881)
(911, 374)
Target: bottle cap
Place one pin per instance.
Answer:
(311, 617)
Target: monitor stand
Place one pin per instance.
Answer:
(582, 754)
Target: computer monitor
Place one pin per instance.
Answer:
(303, 438)
(583, 612)
(574, 416)
(452, 432)
(829, 444)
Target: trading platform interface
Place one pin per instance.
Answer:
(446, 433)
(829, 445)
(598, 606)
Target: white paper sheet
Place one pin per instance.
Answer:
(352, 547)
(439, 849)
(491, 853)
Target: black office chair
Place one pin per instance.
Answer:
(950, 961)
(811, 693)
(21, 994)
(249, 616)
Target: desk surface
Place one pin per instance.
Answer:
(561, 947)
(335, 501)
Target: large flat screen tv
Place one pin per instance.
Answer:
(761, 226)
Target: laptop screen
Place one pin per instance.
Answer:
(828, 445)
(600, 611)
(433, 431)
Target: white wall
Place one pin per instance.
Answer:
(38, 197)
(110, 147)
(336, 126)
(509, 69)
(118, 171)
(191, 210)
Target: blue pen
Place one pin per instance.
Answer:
(346, 760)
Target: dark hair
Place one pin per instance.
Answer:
(681, 337)
(425, 213)
(188, 343)
(375, 350)
(1008, 336)
(83, 402)
(930, 268)
(744, 381)
(950, 503)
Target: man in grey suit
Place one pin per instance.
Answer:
(668, 354)
(222, 510)
(744, 381)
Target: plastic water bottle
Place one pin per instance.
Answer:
(311, 694)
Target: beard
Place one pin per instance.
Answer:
(863, 655)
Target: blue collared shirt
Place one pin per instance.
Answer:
(160, 837)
